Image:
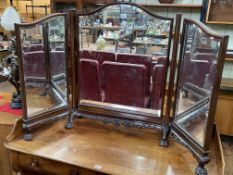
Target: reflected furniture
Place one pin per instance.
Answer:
(123, 86)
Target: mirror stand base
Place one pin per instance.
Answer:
(164, 140)
(27, 136)
(69, 125)
(16, 102)
(16, 105)
(164, 143)
(70, 122)
(200, 170)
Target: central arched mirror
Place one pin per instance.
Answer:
(123, 61)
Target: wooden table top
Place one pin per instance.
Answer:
(114, 150)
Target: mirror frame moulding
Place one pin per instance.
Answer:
(56, 113)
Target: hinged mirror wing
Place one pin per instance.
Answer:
(122, 59)
(200, 69)
(42, 53)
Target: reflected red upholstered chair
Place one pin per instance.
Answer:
(157, 86)
(162, 60)
(207, 73)
(200, 69)
(196, 69)
(100, 56)
(204, 56)
(124, 84)
(104, 56)
(34, 64)
(89, 80)
(58, 62)
(138, 59)
(33, 47)
(86, 54)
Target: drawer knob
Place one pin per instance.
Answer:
(35, 164)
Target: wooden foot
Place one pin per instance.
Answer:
(27, 136)
(200, 170)
(164, 139)
(70, 122)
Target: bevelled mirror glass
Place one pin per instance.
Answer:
(123, 59)
(198, 71)
(43, 65)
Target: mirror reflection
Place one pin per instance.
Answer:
(57, 54)
(44, 65)
(124, 58)
(196, 80)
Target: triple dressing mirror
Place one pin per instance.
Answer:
(122, 59)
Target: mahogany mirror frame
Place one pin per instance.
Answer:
(123, 117)
(74, 108)
(201, 153)
(51, 114)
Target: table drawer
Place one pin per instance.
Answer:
(46, 166)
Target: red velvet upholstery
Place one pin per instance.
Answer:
(157, 86)
(163, 61)
(104, 56)
(33, 47)
(204, 56)
(200, 69)
(100, 56)
(58, 62)
(196, 69)
(206, 69)
(34, 64)
(138, 59)
(124, 84)
(86, 54)
(89, 80)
